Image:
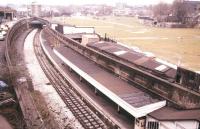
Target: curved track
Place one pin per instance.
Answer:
(85, 116)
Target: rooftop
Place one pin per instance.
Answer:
(168, 114)
(133, 100)
(135, 58)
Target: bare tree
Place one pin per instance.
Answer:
(179, 10)
(161, 9)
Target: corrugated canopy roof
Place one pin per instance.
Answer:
(171, 114)
(137, 58)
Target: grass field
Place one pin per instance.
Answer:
(172, 45)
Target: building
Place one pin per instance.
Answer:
(146, 20)
(23, 11)
(123, 12)
(7, 13)
(36, 9)
(122, 9)
(120, 5)
(170, 118)
(193, 7)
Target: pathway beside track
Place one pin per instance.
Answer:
(55, 105)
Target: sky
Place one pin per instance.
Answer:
(80, 2)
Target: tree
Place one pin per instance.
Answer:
(179, 10)
(161, 9)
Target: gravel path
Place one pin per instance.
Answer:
(55, 104)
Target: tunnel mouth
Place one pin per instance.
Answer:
(37, 24)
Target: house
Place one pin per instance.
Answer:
(7, 13)
(170, 118)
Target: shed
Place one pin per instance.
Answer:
(89, 38)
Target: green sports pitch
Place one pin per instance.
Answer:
(177, 46)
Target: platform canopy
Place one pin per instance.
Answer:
(137, 112)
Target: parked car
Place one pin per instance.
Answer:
(2, 37)
(4, 32)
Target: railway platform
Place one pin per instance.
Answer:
(125, 96)
(133, 100)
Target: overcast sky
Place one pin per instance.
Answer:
(80, 2)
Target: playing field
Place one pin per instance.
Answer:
(173, 45)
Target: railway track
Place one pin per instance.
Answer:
(87, 118)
